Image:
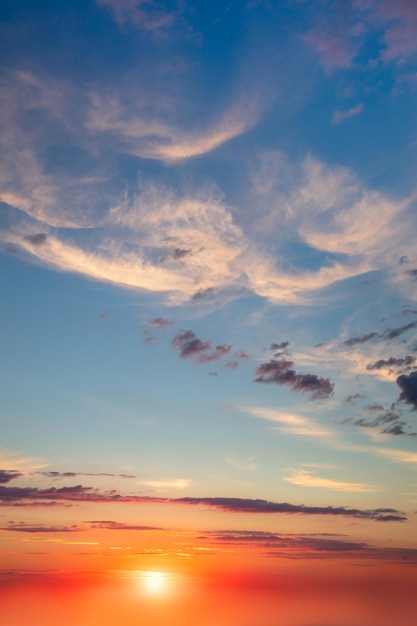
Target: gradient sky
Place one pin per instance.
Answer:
(209, 312)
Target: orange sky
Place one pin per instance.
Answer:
(342, 595)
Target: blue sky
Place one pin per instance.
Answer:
(208, 254)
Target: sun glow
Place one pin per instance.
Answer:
(154, 583)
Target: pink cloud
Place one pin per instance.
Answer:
(218, 353)
(400, 37)
(339, 116)
(334, 47)
(159, 322)
(141, 13)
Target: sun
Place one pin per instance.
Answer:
(154, 583)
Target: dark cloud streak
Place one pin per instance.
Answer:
(307, 546)
(280, 373)
(394, 425)
(27, 496)
(391, 362)
(387, 334)
(7, 475)
(353, 341)
(352, 398)
(74, 474)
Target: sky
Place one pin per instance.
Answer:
(209, 312)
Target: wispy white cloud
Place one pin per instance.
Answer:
(401, 456)
(290, 423)
(341, 115)
(305, 479)
(177, 483)
(248, 464)
(343, 217)
(328, 209)
(10, 461)
(174, 239)
(152, 138)
(298, 425)
(134, 243)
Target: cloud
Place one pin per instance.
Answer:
(352, 398)
(279, 347)
(36, 239)
(151, 138)
(41, 504)
(189, 345)
(388, 334)
(400, 456)
(23, 495)
(24, 527)
(303, 478)
(74, 474)
(346, 28)
(359, 339)
(280, 373)
(291, 423)
(177, 254)
(334, 49)
(218, 353)
(13, 461)
(159, 322)
(345, 217)
(7, 475)
(400, 21)
(247, 505)
(299, 425)
(357, 230)
(203, 293)
(391, 362)
(408, 385)
(178, 483)
(11, 251)
(150, 341)
(144, 14)
(248, 464)
(390, 422)
(28, 496)
(111, 525)
(293, 545)
(168, 236)
(393, 333)
(340, 116)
